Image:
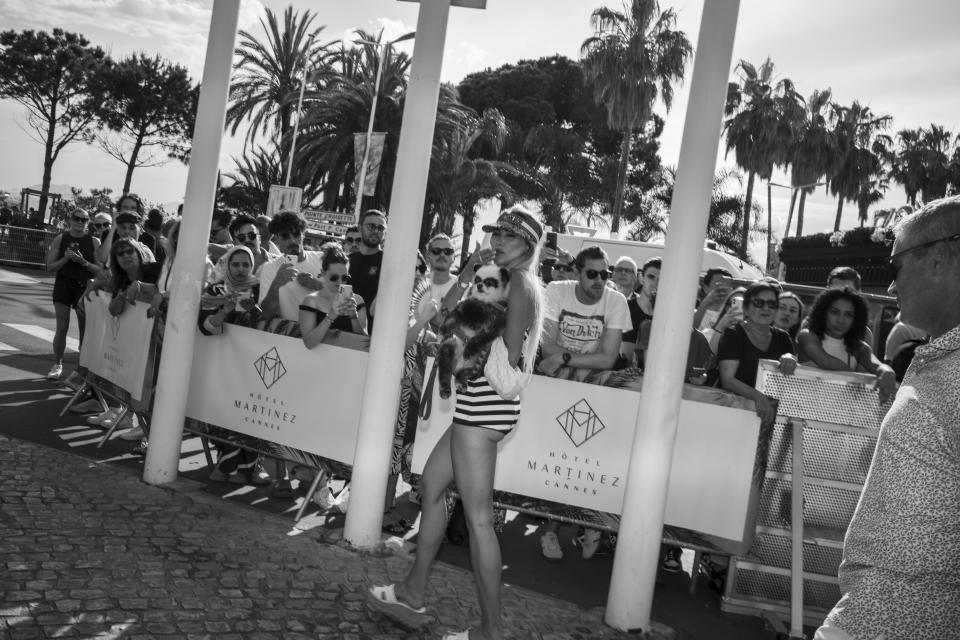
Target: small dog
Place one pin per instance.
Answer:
(467, 332)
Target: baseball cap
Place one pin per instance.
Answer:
(519, 221)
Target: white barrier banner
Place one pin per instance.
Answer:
(272, 387)
(117, 348)
(573, 442)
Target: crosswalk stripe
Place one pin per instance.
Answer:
(16, 278)
(44, 334)
(5, 347)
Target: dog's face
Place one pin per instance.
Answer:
(491, 284)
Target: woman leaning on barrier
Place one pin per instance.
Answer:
(132, 272)
(835, 339)
(743, 345)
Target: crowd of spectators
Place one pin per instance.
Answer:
(597, 313)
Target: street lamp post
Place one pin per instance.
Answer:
(373, 114)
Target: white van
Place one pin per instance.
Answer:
(643, 251)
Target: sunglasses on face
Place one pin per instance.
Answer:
(593, 273)
(489, 283)
(893, 268)
(441, 252)
(79, 219)
(370, 226)
(563, 267)
(624, 270)
(243, 237)
(126, 252)
(760, 304)
(336, 277)
(101, 225)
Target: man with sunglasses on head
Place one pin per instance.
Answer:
(900, 573)
(366, 261)
(72, 256)
(286, 280)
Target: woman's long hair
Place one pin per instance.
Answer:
(789, 295)
(818, 315)
(118, 277)
(526, 267)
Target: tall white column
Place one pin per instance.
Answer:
(638, 551)
(173, 380)
(381, 395)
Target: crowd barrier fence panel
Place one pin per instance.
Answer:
(25, 247)
(809, 493)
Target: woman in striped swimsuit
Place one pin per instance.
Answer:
(467, 452)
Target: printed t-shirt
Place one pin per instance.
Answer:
(580, 326)
(292, 293)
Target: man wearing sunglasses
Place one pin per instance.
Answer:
(244, 231)
(286, 280)
(72, 256)
(439, 256)
(900, 577)
(365, 263)
(352, 240)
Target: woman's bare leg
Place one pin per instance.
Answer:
(437, 476)
(474, 451)
(62, 312)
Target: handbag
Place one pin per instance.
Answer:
(506, 380)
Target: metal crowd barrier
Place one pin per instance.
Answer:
(23, 246)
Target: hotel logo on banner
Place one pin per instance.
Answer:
(580, 422)
(270, 367)
(115, 327)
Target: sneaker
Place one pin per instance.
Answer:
(588, 542)
(324, 498)
(87, 406)
(671, 560)
(133, 434)
(259, 476)
(121, 423)
(55, 371)
(550, 547)
(98, 419)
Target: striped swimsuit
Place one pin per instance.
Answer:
(481, 406)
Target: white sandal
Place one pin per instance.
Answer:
(384, 598)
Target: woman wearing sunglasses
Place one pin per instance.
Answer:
(834, 338)
(72, 257)
(329, 307)
(743, 345)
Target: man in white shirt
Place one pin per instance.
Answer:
(288, 279)
(584, 319)
(439, 257)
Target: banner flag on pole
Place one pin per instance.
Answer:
(373, 160)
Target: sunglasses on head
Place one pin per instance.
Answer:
(441, 252)
(893, 269)
(593, 273)
(760, 304)
(243, 237)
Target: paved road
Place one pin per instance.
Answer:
(47, 493)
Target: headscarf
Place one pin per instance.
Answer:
(232, 284)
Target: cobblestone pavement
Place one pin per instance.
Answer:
(87, 550)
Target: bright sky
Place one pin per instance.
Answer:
(894, 58)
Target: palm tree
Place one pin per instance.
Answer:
(727, 206)
(268, 75)
(862, 148)
(457, 181)
(633, 58)
(812, 152)
(763, 116)
(924, 162)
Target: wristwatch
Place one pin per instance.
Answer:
(566, 357)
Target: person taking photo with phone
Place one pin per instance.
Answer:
(286, 280)
(334, 305)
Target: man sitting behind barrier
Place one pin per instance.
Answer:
(330, 307)
(834, 339)
(899, 576)
(743, 345)
(291, 277)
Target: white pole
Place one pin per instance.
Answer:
(638, 553)
(366, 145)
(296, 125)
(173, 380)
(378, 414)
